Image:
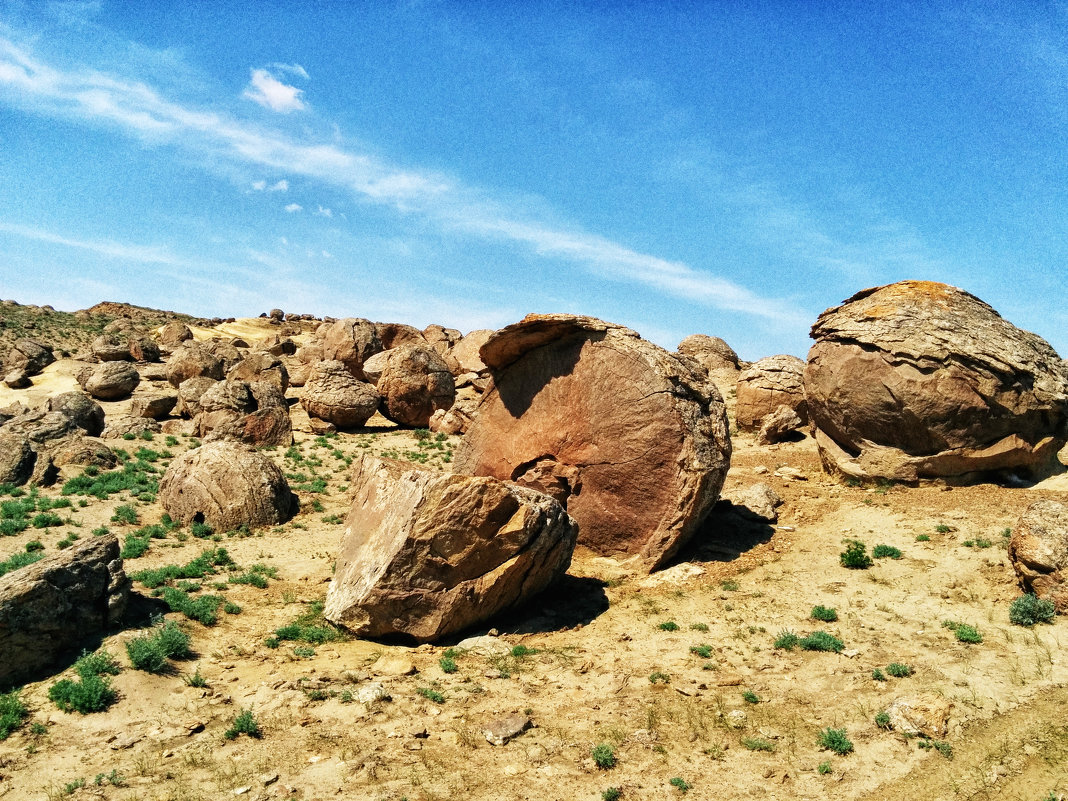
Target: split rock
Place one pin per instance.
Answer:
(632, 440)
(427, 554)
(765, 386)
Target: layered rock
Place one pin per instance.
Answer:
(633, 441)
(226, 485)
(712, 353)
(334, 395)
(919, 380)
(765, 386)
(56, 605)
(1038, 551)
(428, 554)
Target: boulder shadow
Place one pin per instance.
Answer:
(728, 532)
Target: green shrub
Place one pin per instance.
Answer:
(150, 652)
(923, 538)
(835, 740)
(730, 585)
(826, 614)
(886, 551)
(134, 547)
(878, 675)
(750, 697)
(34, 545)
(201, 531)
(668, 625)
(680, 784)
(787, 640)
(204, 609)
(824, 768)
(657, 677)
(17, 560)
(125, 514)
(9, 527)
(431, 694)
(822, 641)
(882, 719)
(244, 723)
(12, 713)
(758, 744)
(899, 670)
(964, 632)
(86, 694)
(1027, 610)
(604, 756)
(855, 556)
(309, 627)
(703, 651)
(448, 664)
(46, 520)
(611, 794)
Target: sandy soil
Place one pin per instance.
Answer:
(596, 642)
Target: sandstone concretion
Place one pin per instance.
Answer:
(192, 360)
(111, 380)
(226, 485)
(334, 395)
(632, 440)
(1038, 551)
(254, 413)
(919, 380)
(58, 604)
(351, 341)
(414, 383)
(261, 366)
(712, 353)
(29, 355)
(765, 386)
(428, 554)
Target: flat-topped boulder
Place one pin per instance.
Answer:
(633, 441)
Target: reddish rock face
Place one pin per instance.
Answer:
(921, 380)
(631, 439)
(429, 554)
(765, 386)
(414, 383)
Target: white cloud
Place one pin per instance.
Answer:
(324, 212)
(327, 254)
(292, 69)
(271, 93)
(292, 207)
(280, 186)
(259, 186)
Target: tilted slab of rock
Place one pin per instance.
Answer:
(226, 484)
(1038, 551)
(766, 385)
(428, 554)
(919, 380)
(54, 605)
(632, 440)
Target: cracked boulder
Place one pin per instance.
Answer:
(351, 341)
(766, 385)
(255, 413)
(413, 382)
(1038, 551)
(633, 441)
(332, 394)
(226, 484)
(920, 380)
(58, 605)
(192, 360)
(29, 355)
(428, 554)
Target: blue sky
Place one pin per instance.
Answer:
(728, 168)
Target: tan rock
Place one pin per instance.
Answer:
(261, 366)
(192, 361)
(922, 715)
(428, 554)
(254, 413)
(712, 353)
(110, 380)
(414, 383)
(29, 355)
(779, 425)
(466, 351)
(174, 333)
(577, 404)
(393, 335)
(334, 395)
(225, 484)
(156, 406)
(765, 386)
(1038, 551)
(190, 392)
(351, 341)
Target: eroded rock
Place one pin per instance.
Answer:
(413, 384)
(334, 395)
(110, 380)
(765, 386)
(1038, 551)
(351, 341)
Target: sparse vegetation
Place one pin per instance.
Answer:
(822, 641)
(151, 652)
(835, 740)
(855, 556)
(1029, 609)
(823, 613)
(604, 756)
(964, 632)
(886, 552)
(787, 640)
(13, 713)
(244, 723)
(758, 744)
(899, 670)
(91, 691)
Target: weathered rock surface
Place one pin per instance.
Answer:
(334, 395)
(466, 351)
(393, 335)
(73, 454)
(414, 383)
(428, 554)
(55, 605)
(261, 366)
(191, 361)
(1038, 551)
(765, 386)
(80, 408)
(190, 392)
(921, 715)
(712, 353)
(110, 380)
(919, 380)
(226, 484)
(119, 425)
(143, 349)
(351, 341)
(440, 338)
(155, 407)
(17, 458)
(29, 355)
(631, 439)
(110, 348)
(18, 379)
(779, 425)
(255, 413)
(173, 334)
(758, 502)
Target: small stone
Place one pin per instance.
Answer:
(371, 693)
(393, 665)
(242, 790)
(499, 732)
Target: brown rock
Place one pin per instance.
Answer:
(351, 341)
(414, 383)
(29, 355)
(768, 384)
(1038, 551)
(780, 425)
(190, 392)
(466, 351)
(631, 438)
(85, 412)
(79, 452)
(393, 335)
(119, 425)
(18, 379)
(501, 731)
(332, 394)
(256, 414)
(110, 348)
(226, 485)
(17, 458)
(261, 367)
(712, 353)
(153, 372)
(226, 353)
(55, 605)
(922, 715)
(111, 380)
(429, 554)
(143, 349)
(441, 339)
(192, 361)
(174, 334)
(156, 407)
(919, 380)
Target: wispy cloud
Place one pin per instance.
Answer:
(146, 254)
(324, 212)
(271, 93)
(141, 111)
(294, 207)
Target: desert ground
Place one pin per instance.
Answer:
(675, 675)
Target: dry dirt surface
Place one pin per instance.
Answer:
(657, 687)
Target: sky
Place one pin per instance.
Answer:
(723, 168)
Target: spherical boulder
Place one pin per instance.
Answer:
(111, 380)
(712, 353)
(920, 380)
(192, 361)
(334, 395)
(765, 386)
(414, 383)
(226, 485)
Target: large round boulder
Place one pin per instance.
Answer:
(261, 366)
(765, 386)
(428, 554)
(334, 395)
(173, 334)
(351, 341)
(1038, 551)
(79, 407)
(110, 380)
(29, 355)
(414, 383)
(255, 413)
(111, 348)
(920, 380)
(226, 485)
(712, 353)
(192, 360)
(632, 440)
